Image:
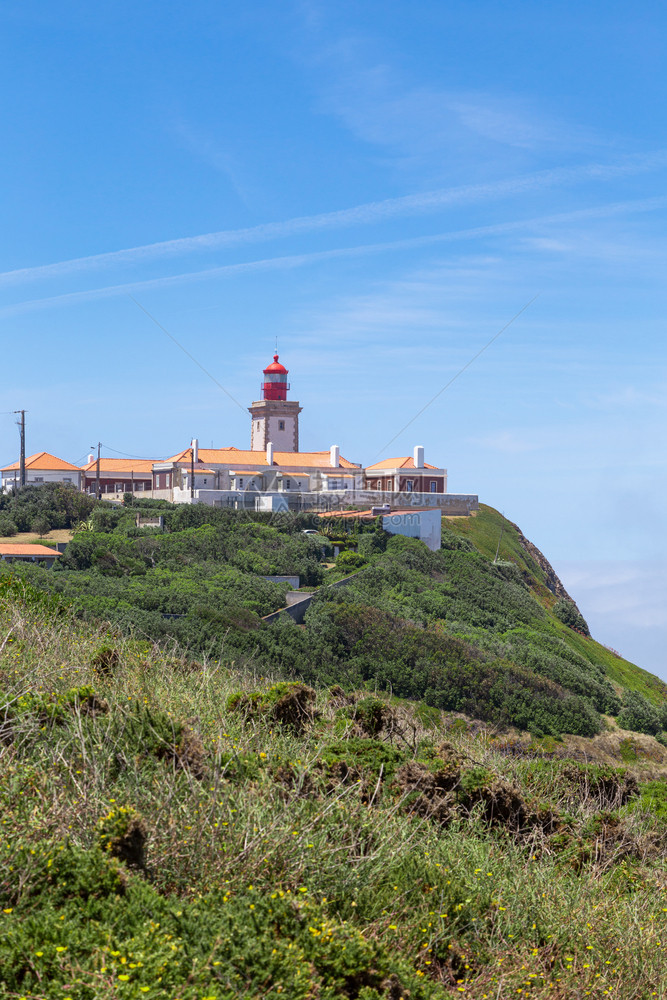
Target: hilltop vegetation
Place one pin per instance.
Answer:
(52, 505)
(174, 827)
(496, 639)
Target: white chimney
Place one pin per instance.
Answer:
(91, 458)
(418, 456)
(269, 454)
(334, 454)
(195, 449)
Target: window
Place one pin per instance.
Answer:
(139, 487)
(408, 486)
(288, 484)
(258, 425)
(240, 481)
(281, 425)
(38, 479)
(205, 481)
(433, 486)
(119, 487)
(67, 480)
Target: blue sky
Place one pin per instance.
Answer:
(382, 186)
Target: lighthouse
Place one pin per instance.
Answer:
(275, 418)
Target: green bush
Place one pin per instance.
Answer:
(89, 930)
(122, 834)
(349, 561)
(7, 527)
(568, 613)
(639, 715)
(41, 525)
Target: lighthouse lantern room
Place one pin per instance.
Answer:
(275, 418)
(275, 384)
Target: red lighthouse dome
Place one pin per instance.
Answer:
(275, 384)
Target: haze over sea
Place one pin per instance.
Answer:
(382, 187)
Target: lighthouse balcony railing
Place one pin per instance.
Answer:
(263, 386)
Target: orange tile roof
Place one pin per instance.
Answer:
(44, 461)
(290, 459)
(26, 549)
(347, 513)
(407, 462)
(122, 465)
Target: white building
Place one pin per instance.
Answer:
(41, 468)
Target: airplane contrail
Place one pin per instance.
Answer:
(364, 214)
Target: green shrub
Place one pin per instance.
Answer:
(290, 704)
(89, 930)
(52, 708)
(40, 525)
(7, 527)
(568, 613)
(639, 715)
(372, 715)
(360, 755)
(122, 833)
(349, 561)
(372, 543)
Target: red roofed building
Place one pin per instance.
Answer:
(406, 475)
(41, 468)
(118, 475)
(254, 471)
(27, 552)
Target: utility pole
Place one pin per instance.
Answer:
(98, 492)
(21, 426)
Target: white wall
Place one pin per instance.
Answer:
(281, 440)
(423, 524)
(47, 476)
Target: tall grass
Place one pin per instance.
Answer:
(243, 812)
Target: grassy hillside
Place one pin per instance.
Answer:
(486, 529)
(172, 827)
(498, 640)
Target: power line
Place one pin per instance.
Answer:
(191, 356)
(454, 377)
(125, 454)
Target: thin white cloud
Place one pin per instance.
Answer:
(299, 260)
(365, 214)
(424, 126)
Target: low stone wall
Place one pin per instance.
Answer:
(452, 504)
